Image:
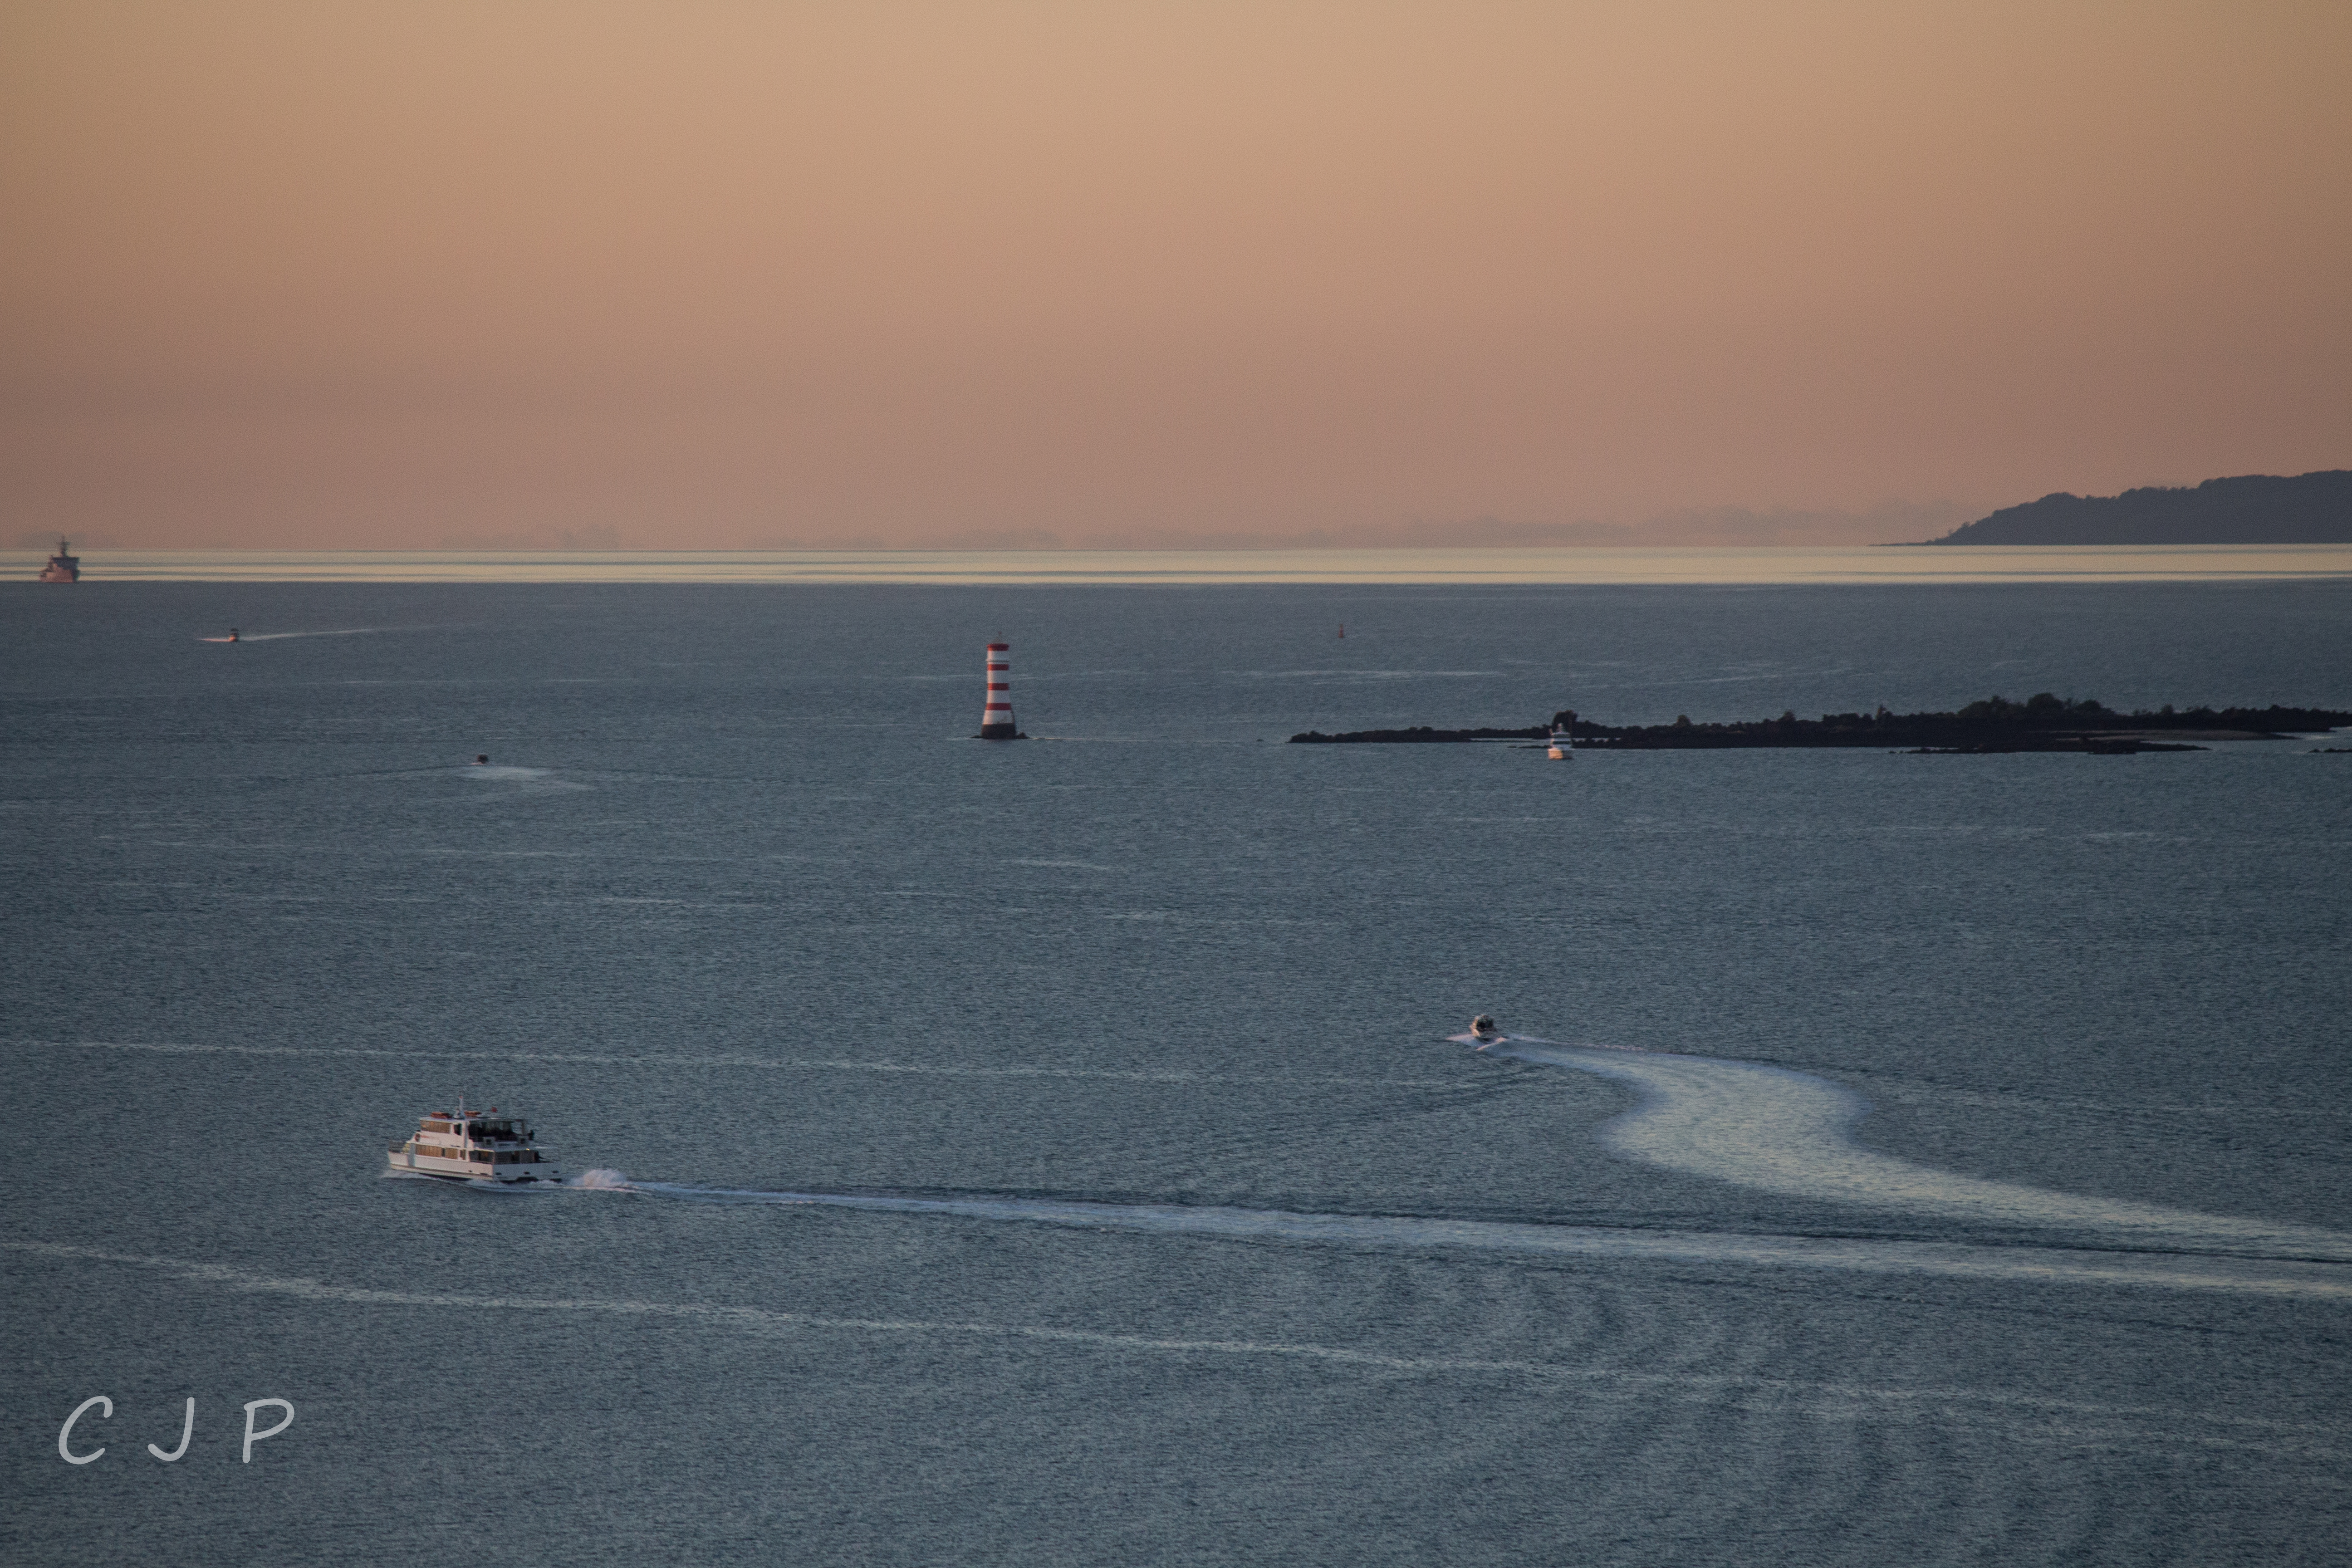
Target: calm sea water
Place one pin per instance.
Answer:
(1051, 1153)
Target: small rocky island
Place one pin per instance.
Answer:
(2044, 722)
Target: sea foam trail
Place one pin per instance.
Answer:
(2167, 1269)
(1791, 1133)
(527, 781)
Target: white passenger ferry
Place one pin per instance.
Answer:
(463, 1145)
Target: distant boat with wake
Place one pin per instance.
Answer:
(63, 567)
(1563, 735)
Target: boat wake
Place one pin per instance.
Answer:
(1749, 1124)
(1791, 1133)
(2082, 1266)
(531, 779)
(2054, 1265)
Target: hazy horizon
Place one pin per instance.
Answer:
(1592, 565)
(1034, 276)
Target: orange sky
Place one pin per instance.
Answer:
(335, 274)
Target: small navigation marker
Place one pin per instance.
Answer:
(996, 718)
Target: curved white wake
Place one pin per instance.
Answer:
(1753, 1125)
(1791, 1133)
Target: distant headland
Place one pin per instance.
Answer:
(2044, 722)
(2257, 508)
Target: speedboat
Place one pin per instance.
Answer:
(1483, 1030)
(463, 1145)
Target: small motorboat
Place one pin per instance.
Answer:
(1483, 1030)
(463, 1145)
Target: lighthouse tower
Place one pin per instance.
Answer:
(996, 719)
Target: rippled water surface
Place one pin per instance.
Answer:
(1054, 1153)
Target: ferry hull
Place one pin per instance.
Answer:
(540, 1173)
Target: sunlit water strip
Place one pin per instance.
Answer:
(1591, 564)
(2077, 1424)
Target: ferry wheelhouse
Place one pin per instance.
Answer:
(463, 1145)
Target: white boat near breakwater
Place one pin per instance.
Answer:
(463, 1145)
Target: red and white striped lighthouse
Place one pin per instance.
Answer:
(996, 719)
